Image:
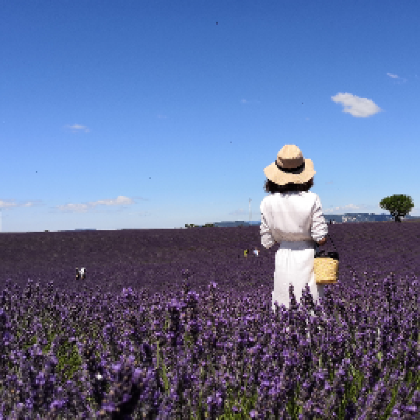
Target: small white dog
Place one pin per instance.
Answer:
(80, 274)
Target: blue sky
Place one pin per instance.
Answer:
(135, 114)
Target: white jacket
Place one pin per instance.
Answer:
(293, 216)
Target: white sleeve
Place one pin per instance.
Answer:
(319, 227)
(267, 240)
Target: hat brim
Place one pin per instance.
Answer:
(279, 177)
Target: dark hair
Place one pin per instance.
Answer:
(271, 187)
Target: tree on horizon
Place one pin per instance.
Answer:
(398, 205)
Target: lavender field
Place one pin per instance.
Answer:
(177, 324)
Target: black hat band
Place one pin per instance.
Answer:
(295, 171)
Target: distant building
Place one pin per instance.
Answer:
(365, 217)
(333, 217)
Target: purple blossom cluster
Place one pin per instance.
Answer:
(177, 324)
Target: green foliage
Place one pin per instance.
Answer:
(398, 205)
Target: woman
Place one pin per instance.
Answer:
(292, 216)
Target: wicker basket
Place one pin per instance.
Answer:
(326, 266)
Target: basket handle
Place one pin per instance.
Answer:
(332, 241)
(317, 246)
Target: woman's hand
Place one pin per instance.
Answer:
(322, 241)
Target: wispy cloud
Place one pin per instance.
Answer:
(120, 201)
(394, 76)
(244, 101)
(5, 204)
(12, 203)
(77, 127)
(84, 207)
(349, 208)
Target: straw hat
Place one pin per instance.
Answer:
(290, 166)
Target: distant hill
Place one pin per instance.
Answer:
(340, 218)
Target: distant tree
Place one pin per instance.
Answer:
(192, 225)
(398, 205)
(46, 230)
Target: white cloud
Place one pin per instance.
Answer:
(76, 127)
(345, 208)
(4, 204)
(12, 203)
(118, 201)
(82, 208)
(358, 107)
